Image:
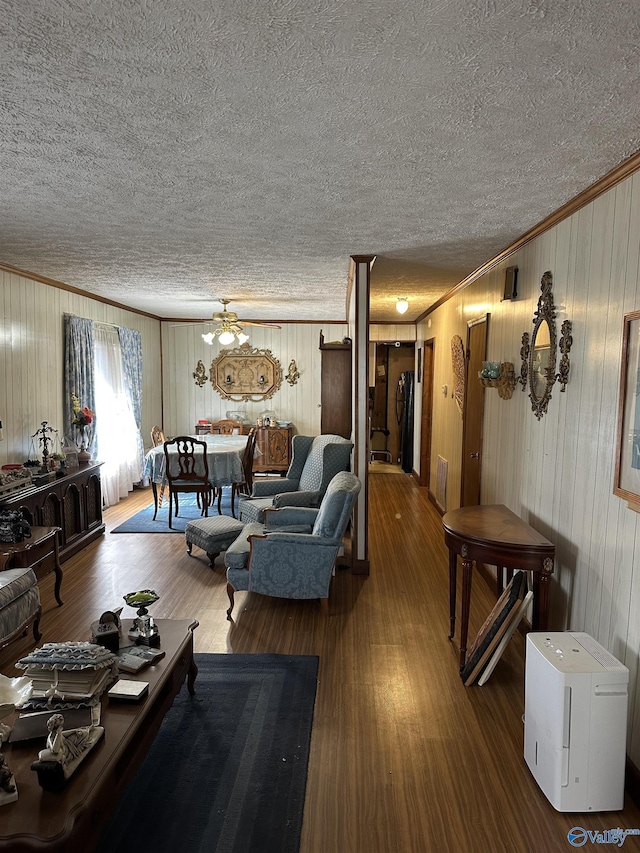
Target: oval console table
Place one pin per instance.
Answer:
(498, 537)
(72, 503)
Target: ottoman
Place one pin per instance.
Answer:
(213, 534)
(19, 604)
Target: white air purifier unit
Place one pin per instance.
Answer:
(575, 723)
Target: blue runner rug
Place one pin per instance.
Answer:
(227, 771)
(142, 522)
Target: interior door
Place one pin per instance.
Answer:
(473, 413)
(426, 370)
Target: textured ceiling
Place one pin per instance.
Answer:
(164, 154)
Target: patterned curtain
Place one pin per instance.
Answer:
(79, 370)
(131, 347)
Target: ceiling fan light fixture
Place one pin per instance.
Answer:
(242, 338)
(226, 337)
(209, 338)
(402, 305)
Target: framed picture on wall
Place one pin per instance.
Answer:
(627, 475)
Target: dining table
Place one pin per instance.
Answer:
(224, 461)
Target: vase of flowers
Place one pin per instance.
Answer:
(82, 420)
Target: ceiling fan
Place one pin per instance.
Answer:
(230, 327)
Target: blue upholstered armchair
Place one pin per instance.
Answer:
(315, 461)
(293, 554)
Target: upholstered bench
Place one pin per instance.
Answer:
(213, 534)
(19, 604)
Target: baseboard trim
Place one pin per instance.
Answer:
(632, 782)
(433, 500)
(360, 567)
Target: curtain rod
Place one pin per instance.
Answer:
(97, 322)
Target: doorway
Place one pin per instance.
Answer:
(386, 408)
(425, 375)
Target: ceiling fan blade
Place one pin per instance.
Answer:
(255, 323)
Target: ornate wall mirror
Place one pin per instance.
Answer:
(246, 373)
(539, 352)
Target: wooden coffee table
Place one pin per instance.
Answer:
(72, 819)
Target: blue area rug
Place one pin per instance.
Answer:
(142, 522)
(227, 771)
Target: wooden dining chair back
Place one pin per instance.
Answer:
(186, 471)
(226, 427)
(245, 486)
(157, 436)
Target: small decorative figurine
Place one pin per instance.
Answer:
(65, 750)
(8, 790)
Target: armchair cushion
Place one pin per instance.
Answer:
(237, 555)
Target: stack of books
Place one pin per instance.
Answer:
(67, 675)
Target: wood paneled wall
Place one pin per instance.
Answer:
(31, 365)
(557, 473)
(392, 332)
(185, 403)
(31, 358)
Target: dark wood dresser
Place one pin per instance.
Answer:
(73, 503)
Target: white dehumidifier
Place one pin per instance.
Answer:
(575, 723)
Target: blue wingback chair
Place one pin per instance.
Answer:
(315, 461)
(293, 554)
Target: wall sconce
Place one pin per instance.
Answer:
(402, 305)
(200, 374)
(294, 374)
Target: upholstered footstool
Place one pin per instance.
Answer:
(213, 534)
(19, 604)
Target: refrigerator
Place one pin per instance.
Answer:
(405, 393)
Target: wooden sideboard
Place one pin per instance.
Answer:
(73, 503)
(272, 443)
(273, 449)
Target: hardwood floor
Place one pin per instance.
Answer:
(404, 758)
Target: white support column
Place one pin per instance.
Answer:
(359, 325)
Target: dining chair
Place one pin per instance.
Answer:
(187, 471)
(226, 427)
(157, 438)
(242, 486)
(245, 486)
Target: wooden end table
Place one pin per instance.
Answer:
(72, 819)
(41, 553)
(498, 537)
